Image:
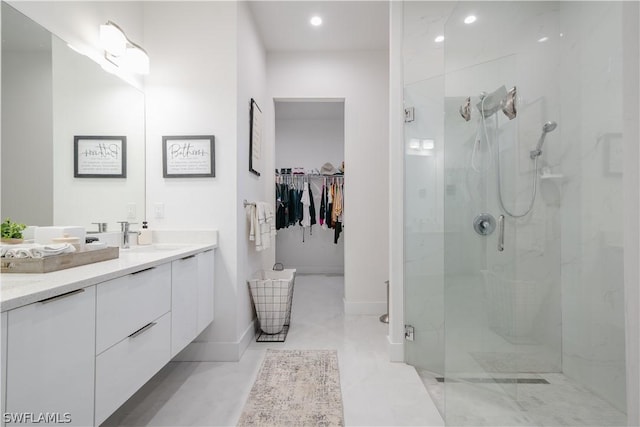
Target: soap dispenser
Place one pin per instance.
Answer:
(144, 238)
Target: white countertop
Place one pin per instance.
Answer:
(17, 289)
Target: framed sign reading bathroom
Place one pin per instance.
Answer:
(100, 156)
(191, 156)
(255, 138)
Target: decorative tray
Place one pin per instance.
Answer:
(58, 262)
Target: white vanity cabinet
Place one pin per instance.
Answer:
(184, 302)
(132, 335)
(206, 269)
(50, 358)
(78, 356)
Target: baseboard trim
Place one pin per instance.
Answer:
(367, 308)
(212, 351)
(396, 350)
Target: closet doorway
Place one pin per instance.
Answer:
(309, 148)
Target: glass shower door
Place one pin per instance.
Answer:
(502, 293)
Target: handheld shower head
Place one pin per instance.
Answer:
(549, 127)
(546, 128)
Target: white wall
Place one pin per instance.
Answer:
(192, 90)
(252, 76)
(361, 78)
(309, 143)
(396, 184)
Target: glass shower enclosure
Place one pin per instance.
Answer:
(514, 213)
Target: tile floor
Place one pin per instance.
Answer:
(560, 402)
(375, 391)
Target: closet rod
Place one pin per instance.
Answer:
(245, 203)
(310, 175)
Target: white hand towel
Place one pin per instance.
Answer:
(49, 250)
(17, 253)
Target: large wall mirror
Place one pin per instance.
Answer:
(51, 94)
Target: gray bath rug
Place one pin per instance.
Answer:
(295, 388)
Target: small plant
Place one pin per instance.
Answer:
(11, 230)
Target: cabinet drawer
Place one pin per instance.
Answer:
(127, 303)
(125, 367)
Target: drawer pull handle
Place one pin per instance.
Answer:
(144, 328)
(187, 257)
(57, 297)
(142, 271)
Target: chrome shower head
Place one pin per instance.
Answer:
(549, 127)
(546, 128)
(491, 102)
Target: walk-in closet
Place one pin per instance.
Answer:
(310, 185)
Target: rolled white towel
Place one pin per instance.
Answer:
(49, 250)
(17, 253)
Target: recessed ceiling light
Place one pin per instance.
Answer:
(316, 21)
(543, 39)
(470, 19)
(439, 39)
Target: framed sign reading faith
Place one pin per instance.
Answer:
(255, 138)
(100, 156)
(190, 156)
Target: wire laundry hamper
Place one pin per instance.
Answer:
(272, 294)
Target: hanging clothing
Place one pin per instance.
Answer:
(306, 204)
(329, 206)
(322, 206)
(312, 206)
(336, 234)
(337, 204)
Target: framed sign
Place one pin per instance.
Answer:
(191, 156)
(100, 156)
(255, 138)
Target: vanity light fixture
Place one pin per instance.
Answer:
(316, 21)
(122, 52)
(112, 39)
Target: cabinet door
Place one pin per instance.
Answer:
(206, 269)
(184, 302)
(51, 358)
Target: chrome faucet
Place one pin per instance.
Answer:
(124, 241)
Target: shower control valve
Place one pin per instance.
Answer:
(484, 224)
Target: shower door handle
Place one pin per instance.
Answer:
(501, 233)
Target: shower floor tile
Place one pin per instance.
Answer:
(560, 402)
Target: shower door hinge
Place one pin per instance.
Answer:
(408, 332)
(408, 114)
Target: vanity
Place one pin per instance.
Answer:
(77, 343)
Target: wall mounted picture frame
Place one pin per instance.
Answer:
(255, 139)
(99, 156)
(188, 156)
